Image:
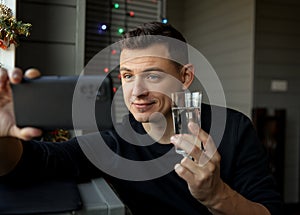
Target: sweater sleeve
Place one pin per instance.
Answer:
(252, 177)
(52, 160)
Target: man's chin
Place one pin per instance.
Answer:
(141, 117)
(155, 117)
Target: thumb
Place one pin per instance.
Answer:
(32, 73)
(194, 128)
(26, 133)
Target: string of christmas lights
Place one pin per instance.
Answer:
(116, 7)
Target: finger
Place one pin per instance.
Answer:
(199, 171)
(197, 131)
(185, 142)
(194, 128)
(27, 133)
(191, 172)
(204, 137)
(209, 145)
(15, 76)
(188, 143)
(32, 73)
(190, 165)
(3, 78)
(200, 133)
(211, 150)
(183, 173)
(203, 160)
(210, 155)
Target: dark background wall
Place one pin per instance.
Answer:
(277, 58)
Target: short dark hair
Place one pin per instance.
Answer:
(154, 33)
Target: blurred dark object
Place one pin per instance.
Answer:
(57, 135)
(271, 131)
(39, 197)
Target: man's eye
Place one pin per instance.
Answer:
(127, 76)
(153, 77)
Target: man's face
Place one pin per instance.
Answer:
(148, 77)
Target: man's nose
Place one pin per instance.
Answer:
(139, 87)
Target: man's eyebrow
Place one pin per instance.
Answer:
(125, 69)
(157, 69)
(145, 70)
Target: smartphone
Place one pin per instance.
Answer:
(52, 102)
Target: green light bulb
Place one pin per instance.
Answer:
(116, 5)
(120, 30)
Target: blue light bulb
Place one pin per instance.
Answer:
(164, 20)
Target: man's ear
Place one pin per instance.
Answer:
(187, 75)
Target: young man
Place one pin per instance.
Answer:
(234, 179)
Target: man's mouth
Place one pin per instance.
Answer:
(143, 106)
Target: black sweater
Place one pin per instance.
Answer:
(156, 188)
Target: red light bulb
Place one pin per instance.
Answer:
(106, 70)
(131, 13)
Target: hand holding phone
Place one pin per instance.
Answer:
(7, 120)
(48, 102)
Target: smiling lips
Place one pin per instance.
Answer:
(143, 106)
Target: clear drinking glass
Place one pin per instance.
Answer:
(186, 107)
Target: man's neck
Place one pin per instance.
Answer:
(160, 129)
